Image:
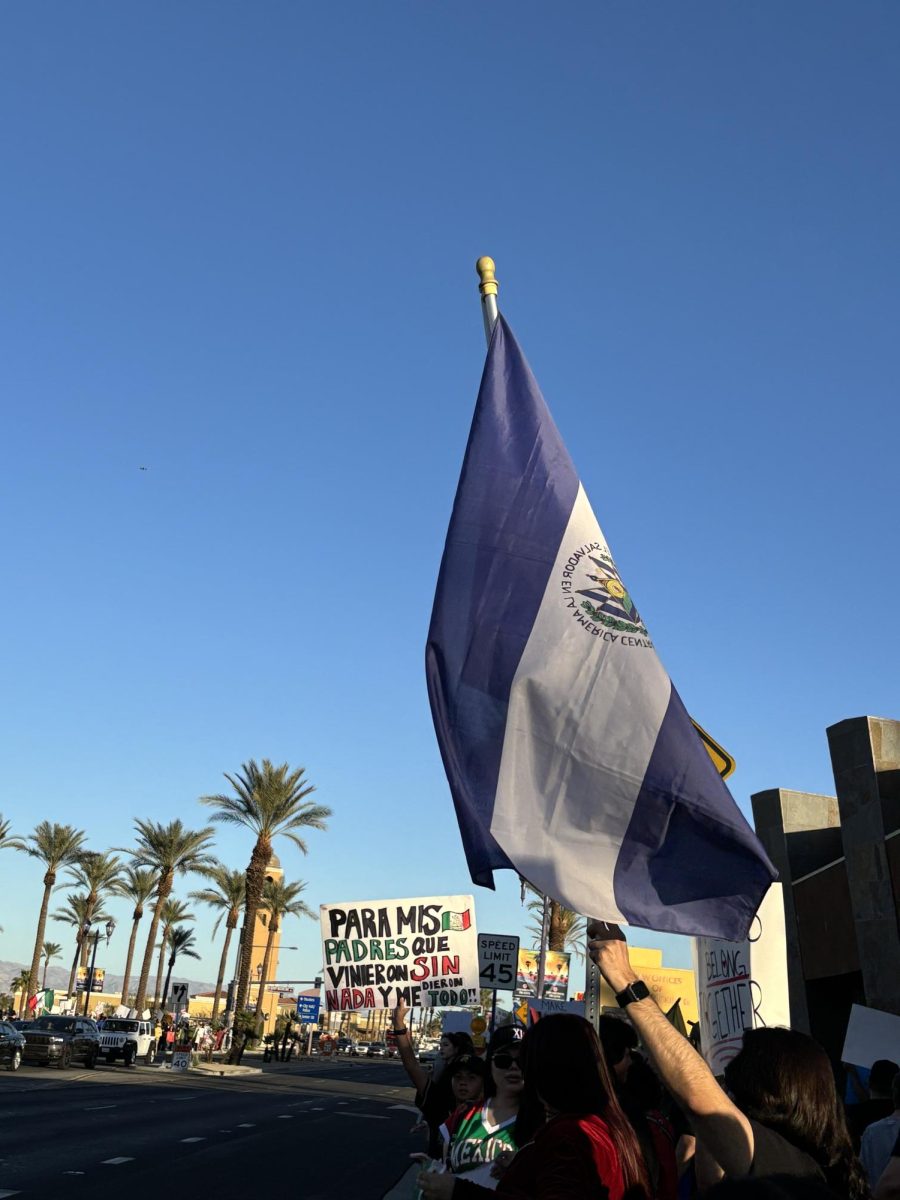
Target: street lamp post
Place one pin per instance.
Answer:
(110, 928)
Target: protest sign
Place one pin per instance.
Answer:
(742, 985)
(871, 1034)
(498, 957)
(423, 951)
(556, 975)
(547, 1007)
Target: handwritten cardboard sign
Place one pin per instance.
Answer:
(742, 985)
(423, 951)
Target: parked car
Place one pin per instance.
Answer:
(428, 1054)
(376, 1050)
(12, 1044)
(62, 1041)
(128, 1040)
(355, 1049)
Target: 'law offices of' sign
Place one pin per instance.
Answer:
(423, 951)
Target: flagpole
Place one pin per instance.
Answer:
(489, 287)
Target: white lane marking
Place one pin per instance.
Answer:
(181, 1099)
(115, 1162)
(247, 1125)
(97, 1107)
(73, 1172)
(317, 1110)
(10, 1194)
(406, 1108)
(285, 1117)
(340, 1102)
(224, 1131)
(368, 1116)
(203, 1139)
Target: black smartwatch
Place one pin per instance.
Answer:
(635, 991)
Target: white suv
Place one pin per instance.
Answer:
(128, 1040)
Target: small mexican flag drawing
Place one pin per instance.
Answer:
(455, 921)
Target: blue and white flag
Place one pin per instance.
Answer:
(570, 755)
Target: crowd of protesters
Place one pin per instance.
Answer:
(557, 1112)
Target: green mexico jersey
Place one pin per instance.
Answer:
(477, 1141)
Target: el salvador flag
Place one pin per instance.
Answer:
(570, 755)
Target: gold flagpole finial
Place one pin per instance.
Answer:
(485, 268)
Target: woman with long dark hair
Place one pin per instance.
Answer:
(782, 1116)
(783, 1083)
(585, 1148)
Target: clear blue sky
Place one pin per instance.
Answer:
(237, 249)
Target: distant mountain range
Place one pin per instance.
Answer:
(58, 977)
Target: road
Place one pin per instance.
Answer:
(313, 1131)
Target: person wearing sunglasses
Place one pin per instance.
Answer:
(484, 1132)
(585, 1148)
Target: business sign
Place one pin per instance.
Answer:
(308, 1009)
(423, 951)
(81, 976)
(742, 985)
(498, 958)
(556, 975)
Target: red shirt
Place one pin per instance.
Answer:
(571, 1158)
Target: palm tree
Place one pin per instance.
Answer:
(21, 984)
(180, 941)
(270, 801)
(7, 842)
(135, 885)
(56, 846)
(74, 912)
(49, 950)
(97, 873)
(227, 893)
(567, 929)
(171, 913)
(167, 850)
(280, 900)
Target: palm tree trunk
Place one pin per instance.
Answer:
(49, 881)
(159, 969)
(162, 893)
(138, 913)
(75, 963)
(267, 958)
(44, 976)
(256, 878)
(556, 939)
(223, 962)
(165, 994)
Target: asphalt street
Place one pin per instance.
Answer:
(314, 1131)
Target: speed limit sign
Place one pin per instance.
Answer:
(498, 959)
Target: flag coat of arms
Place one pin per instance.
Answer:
(570, 756)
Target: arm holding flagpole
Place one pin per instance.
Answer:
(715, 1118)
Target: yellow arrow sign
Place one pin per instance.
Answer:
(722, 760)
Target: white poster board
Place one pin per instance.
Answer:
(871, 1034)
(423, 951)
(742, 985)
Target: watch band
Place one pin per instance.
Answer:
(634, 992)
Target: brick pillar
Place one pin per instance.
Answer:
(865, 758)
(801, 833)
